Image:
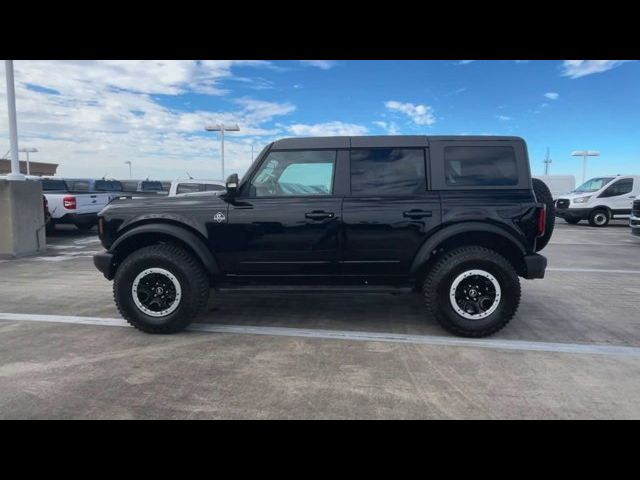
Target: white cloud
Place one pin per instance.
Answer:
(552, 95)
(106, 112)
(504, 118)
(327, 129)
(581, 68)
(419, 114)
(390, 127)
(464, 62)
(322, 64)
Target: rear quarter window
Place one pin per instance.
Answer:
(475, 166)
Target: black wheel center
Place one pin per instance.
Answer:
(156, 292)
(475, 294)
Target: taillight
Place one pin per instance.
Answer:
(69, 203)
(100, 226)
(542, 220)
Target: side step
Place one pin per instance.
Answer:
(376, 289)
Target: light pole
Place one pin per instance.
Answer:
(222, 128)
(13, 123)
(128, 162)
(28, 151)
(584, 154)
(547, 162)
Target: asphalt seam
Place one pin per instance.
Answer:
(488, 343)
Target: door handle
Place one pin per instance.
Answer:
(417, 214)
(317, 215)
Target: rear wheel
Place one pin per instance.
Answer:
(472, 291)
(160, 288)
(599, 218)
(543, 195)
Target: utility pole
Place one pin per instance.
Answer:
(547, 162)
(222, 128)
(27, 151)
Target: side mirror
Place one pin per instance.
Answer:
(232, 184)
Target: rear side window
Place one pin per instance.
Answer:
(79, 186)
(480, 166)
(387, 171)
(189, 188)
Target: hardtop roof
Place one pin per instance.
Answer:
(381, 141)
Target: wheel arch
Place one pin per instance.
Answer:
(469, 233)
(143, 235)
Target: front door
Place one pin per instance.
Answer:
(390, 212)
(287, 220)
(619, 196)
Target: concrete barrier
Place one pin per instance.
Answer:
(21, 219)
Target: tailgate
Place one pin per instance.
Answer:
(91, 202)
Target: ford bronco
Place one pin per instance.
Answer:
(457, 218)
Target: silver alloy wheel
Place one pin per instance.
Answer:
(600, 218)
(156, 292)
(475, 294)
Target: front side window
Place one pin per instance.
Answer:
(295, 173)
(387, 171)
(471, 166)
(621, 187)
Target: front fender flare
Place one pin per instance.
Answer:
(427, 248)
(182, 234)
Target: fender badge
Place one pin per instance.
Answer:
(219, 217)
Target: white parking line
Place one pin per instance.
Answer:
(592, 270)
(497, 344)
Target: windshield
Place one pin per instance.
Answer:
(594, 184)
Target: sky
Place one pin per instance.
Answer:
(92, 116)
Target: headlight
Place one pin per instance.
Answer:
(581, 199)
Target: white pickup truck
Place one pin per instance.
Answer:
(69, 207)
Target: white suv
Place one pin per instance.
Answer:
(599, 200)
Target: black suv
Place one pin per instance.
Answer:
(457, 218)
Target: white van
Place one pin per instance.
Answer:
(599, 200)
(188, 186)
(634, 219)
(558, 184)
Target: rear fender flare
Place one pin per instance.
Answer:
(426, 250)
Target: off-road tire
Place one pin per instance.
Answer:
(593, 217)
(543, 195)
(188, 271)
(439, 279)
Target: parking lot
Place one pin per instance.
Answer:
(572, 351)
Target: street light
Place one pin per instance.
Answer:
(584, 154)
(13, 123)
(128, 162)
(28, 150)
(222, 128)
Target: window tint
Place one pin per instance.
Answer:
(189, 187)
(387, 171)
(151, 186)
(621, 187)
(211, 187)
(79, 186)
(108, 186)
(480, 166)
(52, 185)
(295, 173)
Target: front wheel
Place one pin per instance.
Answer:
(599, 218)
(160, 288)
(472, 291)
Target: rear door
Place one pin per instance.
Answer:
(390, 211)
